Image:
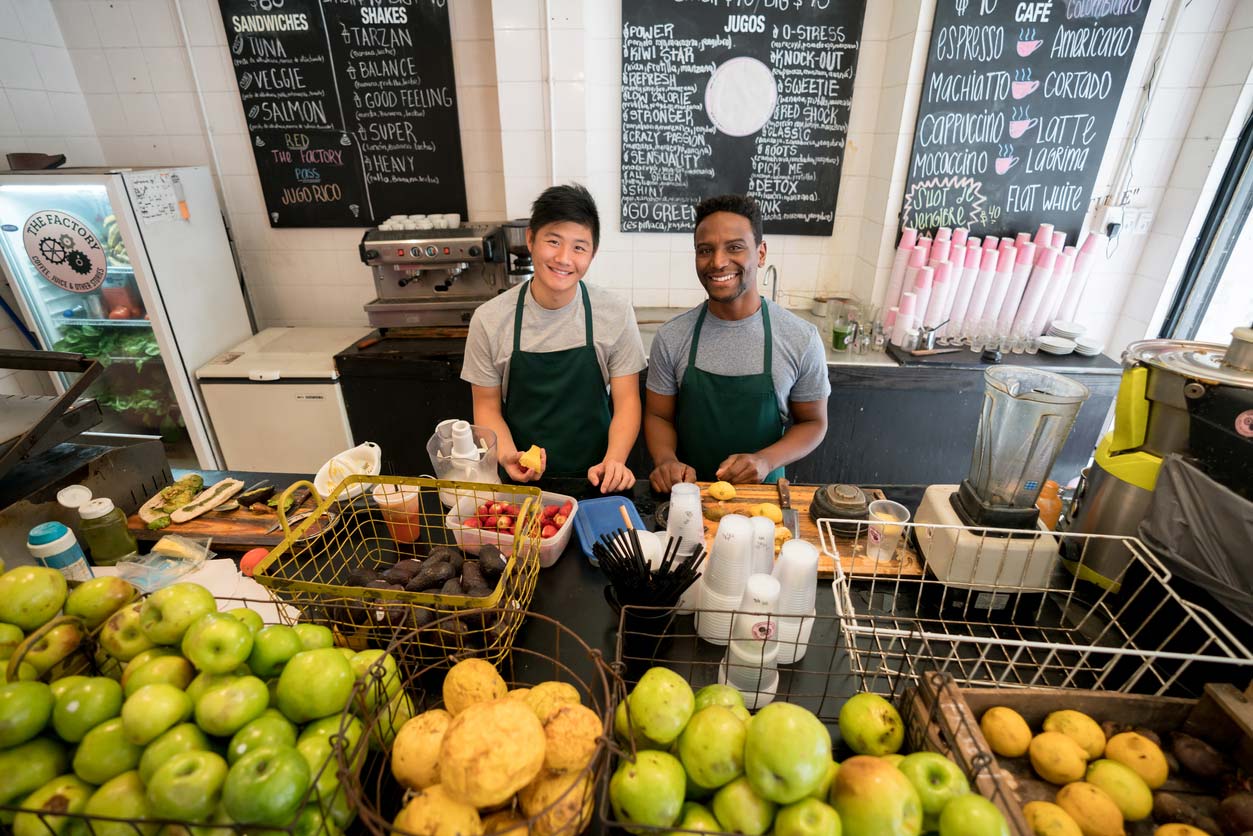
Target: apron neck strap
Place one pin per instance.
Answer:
(768, 354)
(587, 315)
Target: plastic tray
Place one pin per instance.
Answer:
(600, 516)
(472, 539)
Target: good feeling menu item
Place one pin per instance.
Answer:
(1016, 109)
(748, 98)
(351, 107)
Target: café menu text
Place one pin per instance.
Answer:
(351, 107)
(1016, 109)
(746, 98)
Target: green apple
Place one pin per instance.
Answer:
(875, 798)
(250, 617)
(10, 637)
(95, 600)
(204, 681)
(152, 710)
(272, 646)
(315, 636)
(228, 707)
(661, 704)
(718, 695)
(378, 670)
(894, 759)
(122, 637)
(787, 752)
(389, 720)
(972, 815)
(823, 790)
(172, 670)
(217, 643)
(86, 705)
(622, 728)
(53, 647)
(121, 797)
(270, 729)
(938, 781)
(648, 791)
(740, 809)
(312, 822)
(65, 683)
(870, 725)
(28, 766)
(30, 596)
(314, 684)
(105, 753)
(168, 612)
(26, 672)
(266, 786)
(349, 731)
(63, 794)
(188, 786)
(320, 758)
(185, 737)
(711, 746)
(809, 817)
(25, 708)
(697, 816)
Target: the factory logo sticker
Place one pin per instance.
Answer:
(65, 251)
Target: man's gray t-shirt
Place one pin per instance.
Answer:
(489, 345)
(799, 364)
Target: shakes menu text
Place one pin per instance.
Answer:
(351, 107)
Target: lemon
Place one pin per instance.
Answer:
(722, 490)
(768, 510)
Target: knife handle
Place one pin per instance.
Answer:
(785, 493)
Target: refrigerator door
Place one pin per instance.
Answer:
(66, 246)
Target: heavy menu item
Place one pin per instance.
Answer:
(736, 98)
(1016, 109)
(351, 107)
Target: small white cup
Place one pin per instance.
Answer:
(885, 530)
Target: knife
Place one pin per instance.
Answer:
(790, 519)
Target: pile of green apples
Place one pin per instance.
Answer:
(703, 763)
(193, 717)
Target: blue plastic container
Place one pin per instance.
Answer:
(600, 516)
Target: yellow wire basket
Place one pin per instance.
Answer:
(383, 556)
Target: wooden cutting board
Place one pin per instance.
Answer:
(852, 555)
(233, 530)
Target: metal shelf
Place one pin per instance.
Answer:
(108, 323)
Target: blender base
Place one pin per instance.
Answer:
(996, 568)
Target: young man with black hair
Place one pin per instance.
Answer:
(737, 386)
(546, 360)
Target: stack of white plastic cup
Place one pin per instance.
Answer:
(752, 655)
(763, 545)
(797, 573)
(722, 582)
(685, 523)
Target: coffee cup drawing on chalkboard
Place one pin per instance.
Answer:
(740, 96)
(1006, 160)
(1027, 42)
(1021, 122)
(1023, 86)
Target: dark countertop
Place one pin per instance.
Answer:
(965, 359)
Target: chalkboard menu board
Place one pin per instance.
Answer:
(744, 97)
(351, 107)
(1016, 109)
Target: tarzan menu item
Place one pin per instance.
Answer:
(745, 99)
(351, 107)
(1017, 104)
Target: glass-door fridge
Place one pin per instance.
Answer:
(131, 267)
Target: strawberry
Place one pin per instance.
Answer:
(498, 508)
(549, 531)
(504, 522)
(485, 509)
(566, 508)
(491, 521)
(471, 522)
(559, 520)
(512, 510)
(548, 511)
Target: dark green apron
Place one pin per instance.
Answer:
(558, 399)
(720, 414)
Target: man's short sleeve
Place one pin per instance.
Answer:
(813, 382)
(477, 368)
(661, 372)
(626, 355)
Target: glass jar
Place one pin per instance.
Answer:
(104, 532)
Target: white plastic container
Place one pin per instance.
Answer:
(55, 547)
(472, 539)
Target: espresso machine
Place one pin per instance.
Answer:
(522, 267)
(434, 277)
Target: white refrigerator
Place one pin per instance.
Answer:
(131, 267)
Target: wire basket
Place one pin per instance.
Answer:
(565, 657)
(1015, 610)
(375, 522)
(84, 660)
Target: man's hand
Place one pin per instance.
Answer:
(665, 476)
(743, 468)
(517, 472)
(611, 476)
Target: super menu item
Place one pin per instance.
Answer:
(1017, 104)
(351, 107)
(736, 98)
